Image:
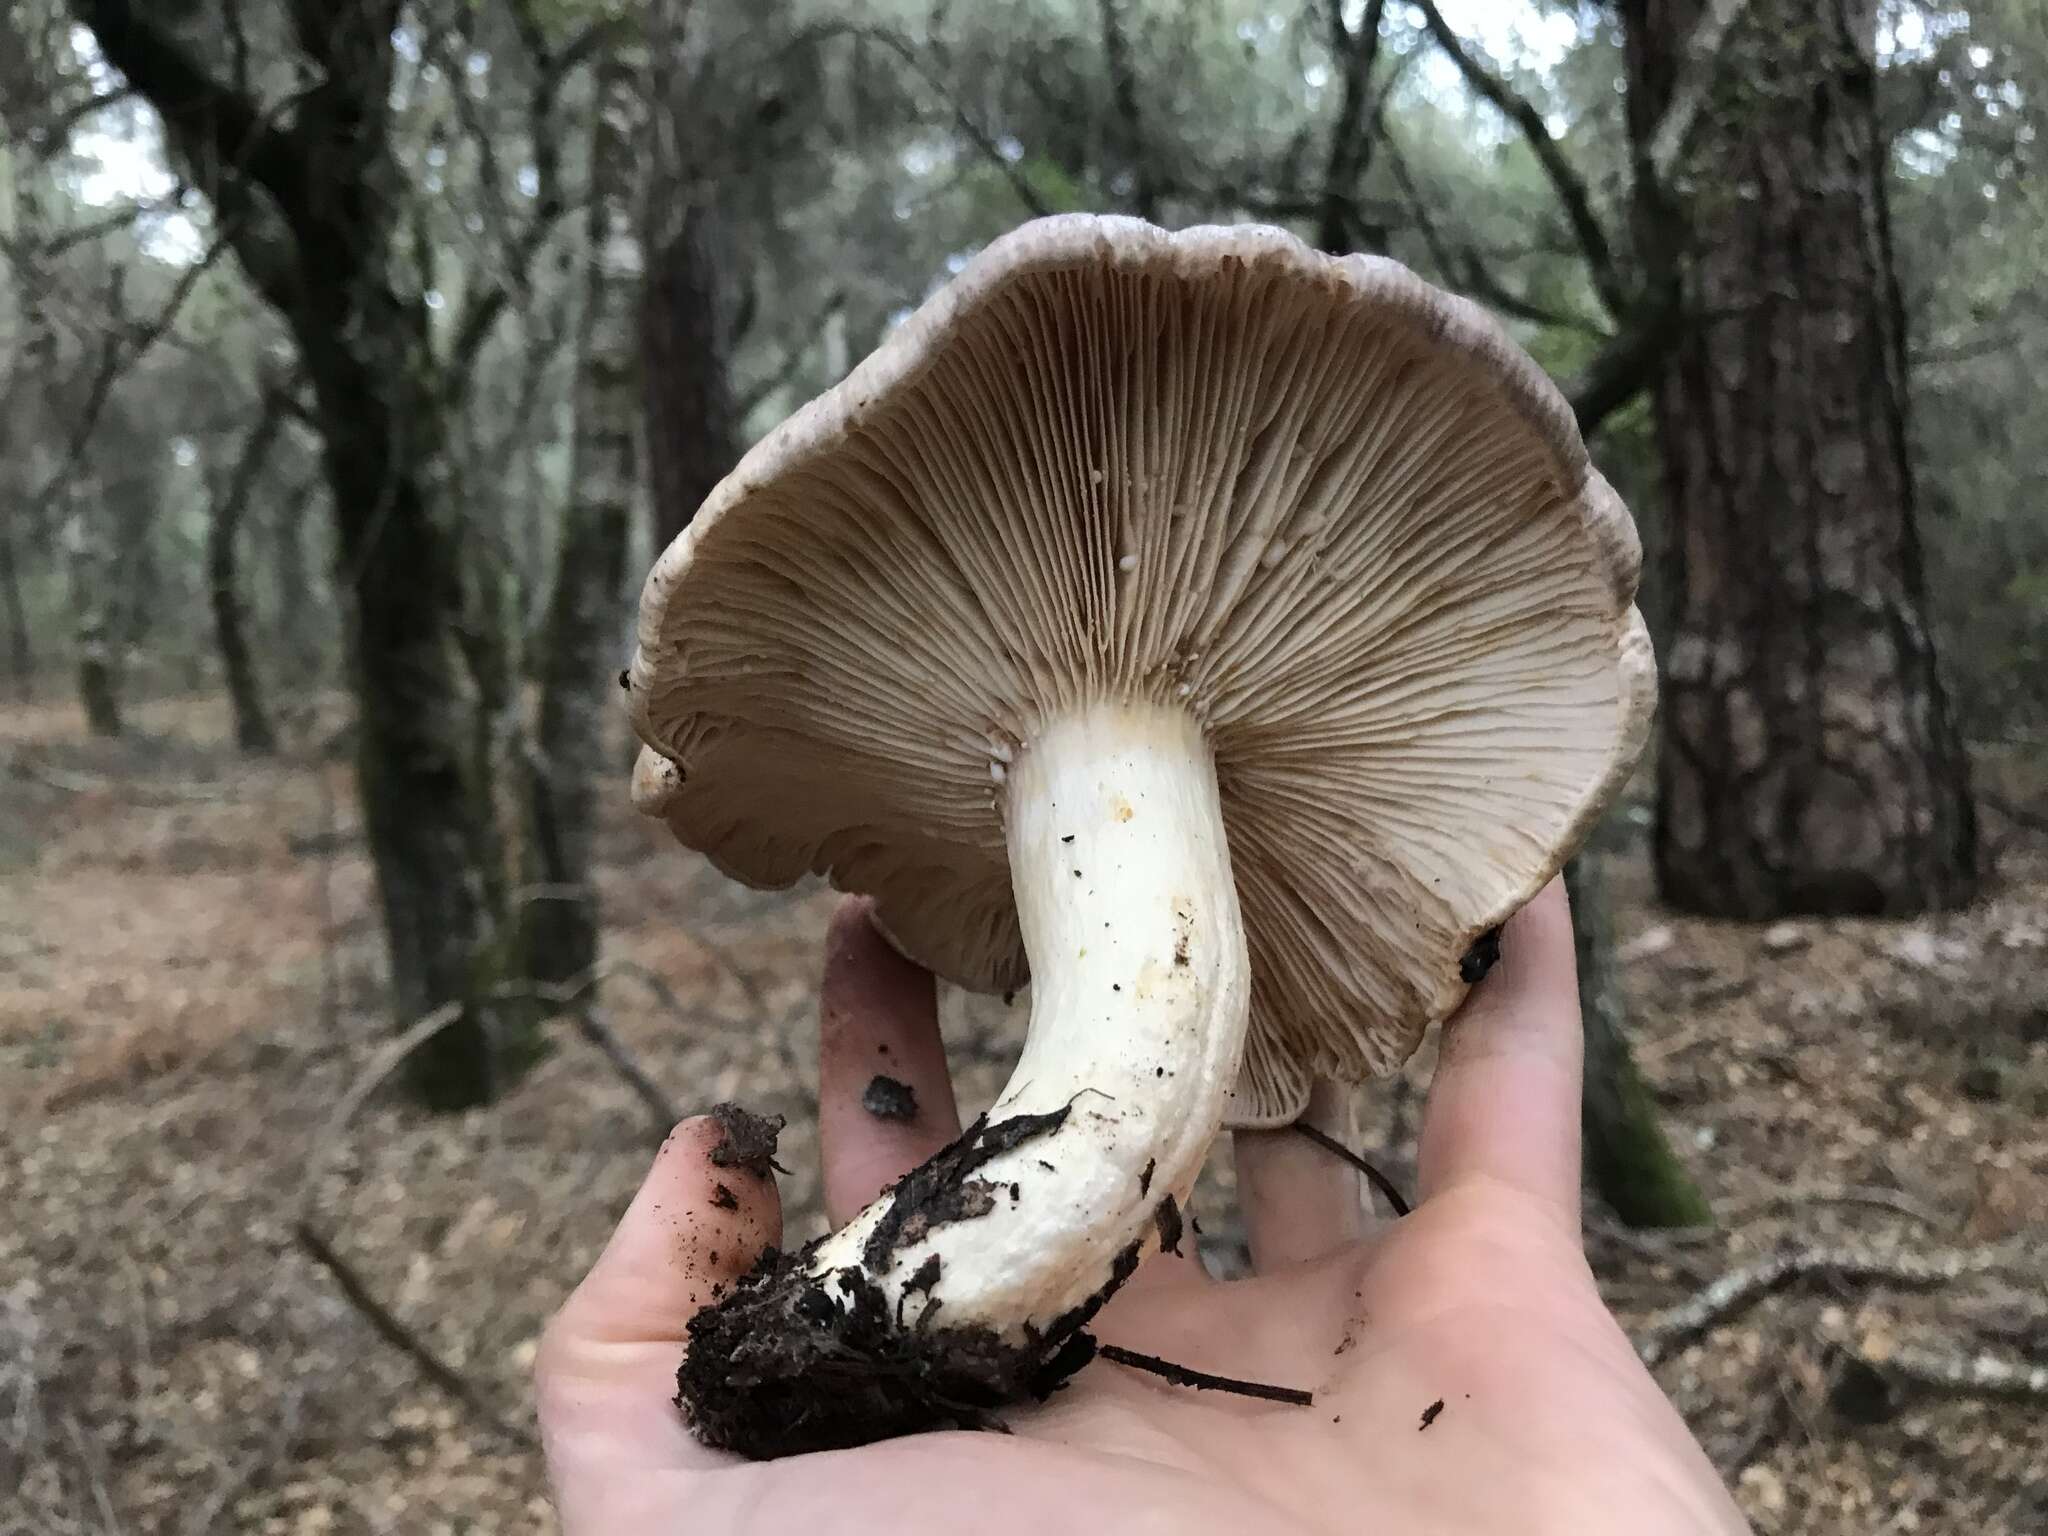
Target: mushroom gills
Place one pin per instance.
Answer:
(956, 1289)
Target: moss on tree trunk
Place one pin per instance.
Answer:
(1629, 1160)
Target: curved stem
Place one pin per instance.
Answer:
(1140, 998)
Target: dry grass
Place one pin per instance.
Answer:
(174, 1027)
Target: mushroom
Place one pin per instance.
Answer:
(1225, 637)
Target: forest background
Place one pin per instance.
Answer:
(357, 356)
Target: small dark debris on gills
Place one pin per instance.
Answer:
(626, 680)
(1429, 1415)
(1168, 1219)
(1145, 1175)
(749, 1140)
(887, 1098)
(1480, 958)
(723, 1198)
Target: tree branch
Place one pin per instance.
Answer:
(1123, 91)
(125, 346)
(895, 43)
(1625, 366)
(1351, 135)
(552, 68)
(1738, 1290)
(1571, 189)
(213, 124)
(1462, 266)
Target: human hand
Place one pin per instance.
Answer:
(1479, 1305)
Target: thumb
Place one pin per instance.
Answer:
(606, 1372)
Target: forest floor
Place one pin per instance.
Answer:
(189, 986)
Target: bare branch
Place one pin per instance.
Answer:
(1571, 189)
(1740, 1289)
(1123, 92)
(978, 136)
(215, 125)
(125, 347)
(395, 1333)
(792, 360)
(1965, 1374)
(1462, 265)
(552, 69)
(51, 136)
(1351, 131)
(1626, 365)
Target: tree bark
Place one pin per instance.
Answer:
(21, 656)
(686, 320)
(560, 926)
(1809, 759)
(692, 429)
(91, 561)
(1629, 1162)
(253, 733)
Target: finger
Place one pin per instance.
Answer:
(885, 1098)
(1505, 1102)
(1299, 1201)
(606, 1372)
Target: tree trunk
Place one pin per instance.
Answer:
(253, 733)
(1809, 760)
(91, 560)
(577, 689)
(686, 319)
(692, 433)
(1629, 1162)
(21, 656)
(427, 821)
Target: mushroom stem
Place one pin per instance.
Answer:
(963, 1286)
(1140, 998)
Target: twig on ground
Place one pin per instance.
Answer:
(1876, 1196)
(395, 1333)
(142, 792)
(386, 1061)
(1964, 1373)
(1738, 1290)
(571, 999)
(353, 1287)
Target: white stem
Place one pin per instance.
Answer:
(1140, 996)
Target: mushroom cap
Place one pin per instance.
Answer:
(1333, 511)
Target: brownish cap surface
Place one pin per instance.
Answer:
(1332, 511)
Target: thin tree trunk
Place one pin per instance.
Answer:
(578, 693)
(1809, 759)
(253, 733)
(91, 561)
(692, 430)
(686, 322)
(1628, 1160)
(1133, 154)
(21, 656)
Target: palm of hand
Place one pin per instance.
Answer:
(1480, 1301)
